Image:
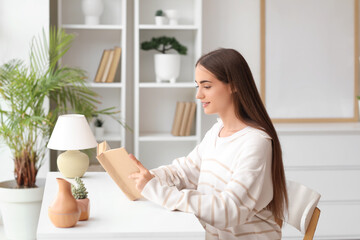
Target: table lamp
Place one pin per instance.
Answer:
(72, 133)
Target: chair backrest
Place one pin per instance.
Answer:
(302, 203)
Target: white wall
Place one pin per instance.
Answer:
(232, 24)
(20, 20)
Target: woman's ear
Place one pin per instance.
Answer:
(232, 90)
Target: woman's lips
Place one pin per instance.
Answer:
(205, 104)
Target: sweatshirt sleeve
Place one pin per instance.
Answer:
(230, 207)
(182, 173)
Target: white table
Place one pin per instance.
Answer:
(113, 216)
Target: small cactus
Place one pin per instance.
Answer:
(159, 13)
(80, 191)
(98, 122)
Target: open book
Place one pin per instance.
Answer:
(119, 166)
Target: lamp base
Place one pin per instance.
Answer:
(73, 163)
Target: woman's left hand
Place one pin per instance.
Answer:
(141, 178)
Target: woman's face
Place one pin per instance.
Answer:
(215, 95)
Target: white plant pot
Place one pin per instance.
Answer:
(167, 67)
(99, 131)
(173, 16)
(20, 209)
(160, 20)
(92, 10)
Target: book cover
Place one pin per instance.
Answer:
(177, 118)
(102, 65)
(191, 119)
(119, 166)
(185, 118)
(114, 65)
(108, 65)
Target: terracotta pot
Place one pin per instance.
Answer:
(84, 205)
(64, 211)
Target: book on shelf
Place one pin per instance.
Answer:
(103, 61)
(108, 65)
(183, 118)
(191, 119)
(119, 166)
(114, 65)
(177, 118)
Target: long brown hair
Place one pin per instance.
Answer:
(230, 67)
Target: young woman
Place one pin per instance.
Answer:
(234, 180)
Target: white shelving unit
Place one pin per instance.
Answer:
(154, 104)
(86, 52)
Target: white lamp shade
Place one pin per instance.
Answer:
(72, 132)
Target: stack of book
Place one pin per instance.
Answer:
(108, 66)
(184, 118)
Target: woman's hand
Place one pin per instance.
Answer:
(141, 178)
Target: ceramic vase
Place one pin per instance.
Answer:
(64, 211)
(167, 67)
(84, 205)
(173, 16)
(92, 10)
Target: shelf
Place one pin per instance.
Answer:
(105, 85)
(97, 27)
(155, 102)
(150, 137)
(86, 53)
(167, 27)
(109, 137)
(168, 85)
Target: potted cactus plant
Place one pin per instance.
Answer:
(99, 127)
(167, 66)
(81, 195)
(160, 18)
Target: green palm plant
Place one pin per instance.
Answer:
(26, 124)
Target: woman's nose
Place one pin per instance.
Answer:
(199, 95)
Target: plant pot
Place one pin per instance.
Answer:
(99, 132)
(160, 20)
(64, 211)
(84, 205)
(167, 67)
(20, 209)
(92, 10)
(172, 14)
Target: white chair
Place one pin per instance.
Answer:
(303, 213)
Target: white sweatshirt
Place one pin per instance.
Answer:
(226, 182)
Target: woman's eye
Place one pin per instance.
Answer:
(207, 87)
(196, 86)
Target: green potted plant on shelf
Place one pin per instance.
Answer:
(160, 18)
(99, 126)
(26, 123)
(167, 66)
